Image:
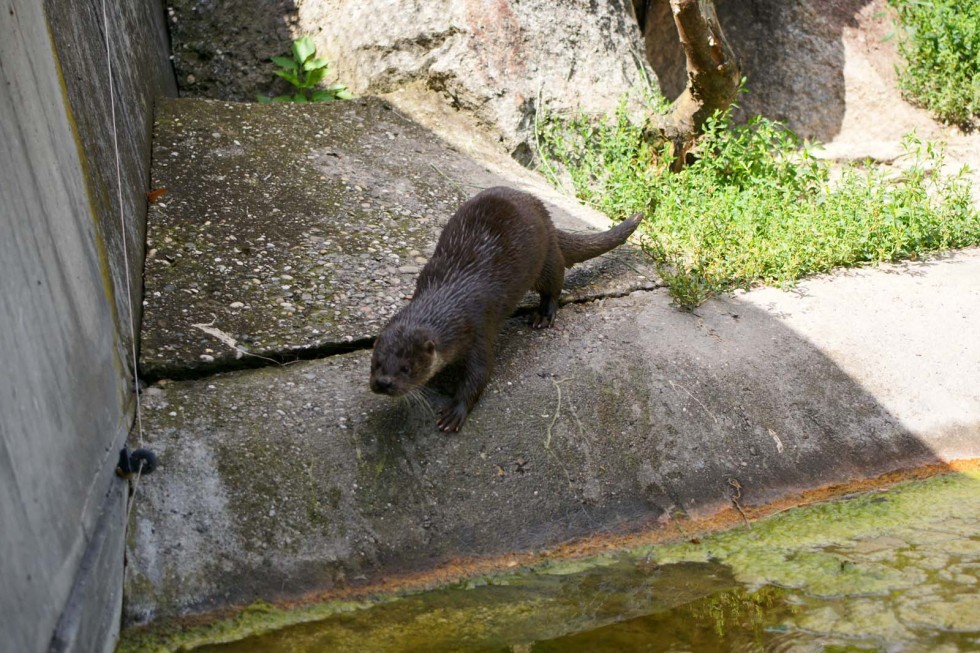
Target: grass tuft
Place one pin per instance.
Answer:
(942, 50)
(756, 205)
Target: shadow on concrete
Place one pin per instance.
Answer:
(282, 482)
(141, 74)
(279, 482)
(791, 52)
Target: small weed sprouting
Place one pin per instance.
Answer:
(755, 205)
(941, 45)
(687, 287)
(305, 71)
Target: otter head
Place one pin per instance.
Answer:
(403, 360)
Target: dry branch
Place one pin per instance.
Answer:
(713, 75)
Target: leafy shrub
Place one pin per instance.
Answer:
(942, 49)
(755, 205)
(305, 71)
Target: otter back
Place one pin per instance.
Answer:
(496, 247)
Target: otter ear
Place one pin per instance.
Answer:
(430, 346)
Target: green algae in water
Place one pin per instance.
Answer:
(889, 571)
(506, 612)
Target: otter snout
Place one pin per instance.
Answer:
(383, 385)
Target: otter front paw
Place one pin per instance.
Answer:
(452, 418)
(544, 317)
(542, 320)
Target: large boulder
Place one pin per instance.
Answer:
(826, 69)
(490, 58)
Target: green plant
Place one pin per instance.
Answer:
(942, 47)
(756, 205)
(305, 71)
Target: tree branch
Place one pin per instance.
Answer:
(713, 74)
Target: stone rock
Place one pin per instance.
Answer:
(491, 58)
(825, 69)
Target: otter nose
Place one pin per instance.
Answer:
(382, 385)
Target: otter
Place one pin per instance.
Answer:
(497, 246)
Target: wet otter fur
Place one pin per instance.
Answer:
(496, 247)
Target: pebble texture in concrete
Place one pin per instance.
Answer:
(284, 480)
(293, 229)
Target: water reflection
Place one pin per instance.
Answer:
(895, 571)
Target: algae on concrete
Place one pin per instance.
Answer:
(729, 584)
(293, 479)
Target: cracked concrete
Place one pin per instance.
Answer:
(294, 478)
(289, 231)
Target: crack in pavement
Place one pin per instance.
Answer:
(258, 360)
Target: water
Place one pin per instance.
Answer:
(896, 571)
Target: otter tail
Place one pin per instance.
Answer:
(576, 248)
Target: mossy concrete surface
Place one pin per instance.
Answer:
(281, 230)
(291, 232)
(891, 570)
(293, 479)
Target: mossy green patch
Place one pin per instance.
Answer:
(835, 548)
(893, 569)
(254, 620)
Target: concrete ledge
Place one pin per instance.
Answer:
(290, 479)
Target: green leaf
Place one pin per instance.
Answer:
(299, 97)
(323, 96)
(314, 76)
(289, 76)
(340, 91)
(264, 99)
(285, 62)
(281, 99)
(303, 49)
(315, 63)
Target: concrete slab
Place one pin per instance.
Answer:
(295, 478)
(295, 230)
(906, 332)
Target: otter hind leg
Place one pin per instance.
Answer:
(544, 316)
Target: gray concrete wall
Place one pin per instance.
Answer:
(141, 72)
(65, 390)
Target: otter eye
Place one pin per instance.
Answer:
(406, 369)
